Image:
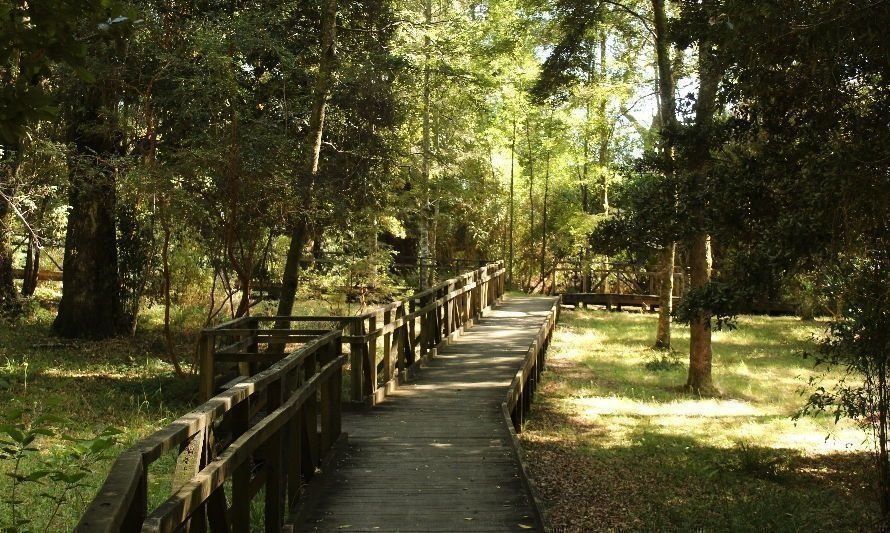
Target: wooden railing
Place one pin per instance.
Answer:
(613, 279)
(525, 382)
(269, 431)
(384, 343)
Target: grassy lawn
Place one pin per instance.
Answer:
(615, 445)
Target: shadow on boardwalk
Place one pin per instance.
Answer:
(436, 455)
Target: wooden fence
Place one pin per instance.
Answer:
(612, 278)
(522, 389)
(384, 343)
(269, 431)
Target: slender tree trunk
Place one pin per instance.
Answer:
(668, 120)
(321, 93)
(512, 207)
(531, 200)
(425, 244)
(168, 333)
(699, 380)
(544, 225)
(32, 268)
(665, 296)
(604, 141)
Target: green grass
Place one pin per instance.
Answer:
(126, 383)
(615, 444)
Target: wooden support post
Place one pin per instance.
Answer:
(412, 334)
(294, 443)
(356, 347)
(206, 386)
(276, 480)
(240, 511)
(402, 341)
(387, 348)
(371, 362)
(309, 445)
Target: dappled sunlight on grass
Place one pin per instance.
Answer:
(654, 457)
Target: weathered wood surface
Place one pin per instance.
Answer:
(436, 455)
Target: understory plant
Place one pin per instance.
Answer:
(858, 343)
(59, 477)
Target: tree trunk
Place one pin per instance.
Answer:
(512, 209)
(544, 226)
(8, 297)
(699, 380)
(531, 201)
(9, 162)
(168, 333)
(321, 93)
(665, 296)
(668, 120)
(32, 268)
(425, 243)
(91, 305)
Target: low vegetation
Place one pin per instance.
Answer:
(615, 445)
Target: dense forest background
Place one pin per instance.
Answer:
(197, 159)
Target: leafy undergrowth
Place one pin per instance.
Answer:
(614, 445)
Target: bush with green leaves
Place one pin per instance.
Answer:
(858, 343)
(60, 476)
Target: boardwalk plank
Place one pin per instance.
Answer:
(435, 455)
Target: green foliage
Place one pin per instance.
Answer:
(750, 459)
(663, 360)
(60, 477)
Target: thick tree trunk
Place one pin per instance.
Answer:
(8, 296)
(699, 164)
(90, 305)
(668, 120)
(699, 380)
(321, 93)
(9, 162)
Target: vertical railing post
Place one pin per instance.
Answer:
(138, 509)
(412, 332)
(206, 347)
(356, 344)
(249, 368)
(273, 450)
(401, 340)
(372, 354)
(387, 347)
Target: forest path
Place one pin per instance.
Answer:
(436, 455)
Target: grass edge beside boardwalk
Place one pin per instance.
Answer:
(614, 445)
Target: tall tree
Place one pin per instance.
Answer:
(320, 94)
(669, 127)
(698, 167)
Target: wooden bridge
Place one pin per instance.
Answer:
(403, 418)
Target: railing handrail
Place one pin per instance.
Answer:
(111, 509)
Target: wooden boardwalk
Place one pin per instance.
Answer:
(436, 455)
